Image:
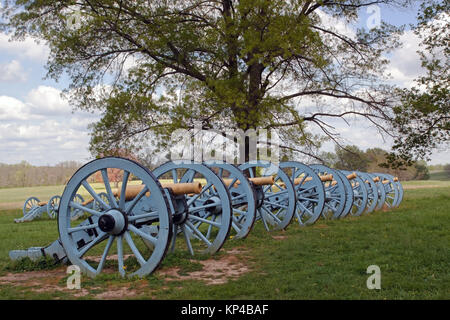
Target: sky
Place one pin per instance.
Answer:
(37, 125)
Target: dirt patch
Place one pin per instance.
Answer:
(238, 251)
(50, 281)
(33, 276)
(214, 271)
(279, 237)
(11, 205)
(41, 281)
(117, 293)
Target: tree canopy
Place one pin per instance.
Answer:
(152, 67)
(422, 120)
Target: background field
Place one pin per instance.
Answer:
(325, 261)
(439, 175)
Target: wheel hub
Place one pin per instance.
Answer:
(113, 222)
(217, 208)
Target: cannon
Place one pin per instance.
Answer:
(399, 186)
(207, 219)
(381, 191)
(277, 200)
(245, 196)
(360, 193)
(33, 208)
(392, 190)
(309, 190)
(139, 220)
(335, 191)
(152, 213)
(372, 191)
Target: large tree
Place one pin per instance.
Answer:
(422, 120)
(247, 64)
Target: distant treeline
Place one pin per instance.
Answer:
(375, 160)
(24, 174)
(351, 158)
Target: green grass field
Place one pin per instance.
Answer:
(439, 175)
(411, 245)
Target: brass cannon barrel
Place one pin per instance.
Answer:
(297, 181)
(259, 181)
(376, 179)
(177, 189)
(328, 177)
(87, 202)
(352, 176)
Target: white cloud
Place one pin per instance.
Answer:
(47, 100)
(339, 25)
(12, 72)
(405, 65)
(12, 109)
(42, 129)
(28, 48)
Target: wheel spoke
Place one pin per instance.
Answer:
(92, 192)
(133, 248)
(206, 206)
(305, 209)
(235, 226)
(109, 192)
(212, 223)
(263, 220)
(120, 255)
(191, 200)
(105, 254)
(174, 176)
(275, 194)
(123, 192)
(189, 175)
(308, 199)
(131, 205)
(197, 232)
(87, 247)
(271, 214)
(208, 234)
(300, 191)
(239, 211)
(279, 205)
(294, 170)
(152, 214)
(330, 207)
(232, 183)
(239, 197)
(82, 228)
(76, 205)
(187, 238)
(144, 235)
